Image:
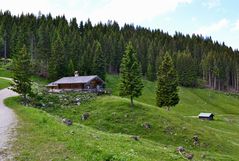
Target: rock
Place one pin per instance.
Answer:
(67, 121)
(78, 103)
(184, 128)
(180, 149)
(195, 140)
(85, 116)
(189, 156)
(136, 138)
(203, 156)
(147, 126)
(77, 99)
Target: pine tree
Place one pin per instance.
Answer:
(57, 67)
(167, 92)
(131, 83)
(151, 73)
(99, 61)
(21, 70)
(70, 68)
(186, 69)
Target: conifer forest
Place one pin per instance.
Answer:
(58, 47)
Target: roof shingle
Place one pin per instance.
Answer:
(72, 80)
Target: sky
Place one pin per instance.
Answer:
(216, 18)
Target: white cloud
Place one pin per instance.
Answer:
(136, 10)
(213, 28)
(129, 11)
(212, 3)
(194, 19)
(236, 26)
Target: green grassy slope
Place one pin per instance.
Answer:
(111, 119)
(192, 101)
(43, 137)
(5, 73)
(4, 83)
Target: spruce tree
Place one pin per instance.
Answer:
(99, 61)
(186, 69)
(151, 72)
(21, 71)
(70, 68)
(167, 84)
(130, 74)
(57, 66)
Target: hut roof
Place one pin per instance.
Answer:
(75, 79)
(205, 115)
(52, 84)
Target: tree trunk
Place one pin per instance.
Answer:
(235, 81)
(209, 79)
(5, 49)
(24, 99)
(215, 83)
(132, 102)
(219, 84)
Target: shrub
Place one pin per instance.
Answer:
(45, 99)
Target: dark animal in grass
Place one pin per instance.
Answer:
(68, 122)
(85, 116)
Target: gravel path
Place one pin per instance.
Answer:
(8, 121)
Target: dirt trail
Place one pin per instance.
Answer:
(8, 122)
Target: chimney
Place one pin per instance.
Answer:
(76, 74)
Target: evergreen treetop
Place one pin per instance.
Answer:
(130, 74)
(21, 74)
(167, 84)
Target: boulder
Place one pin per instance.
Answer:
(195, 140)
(68, 122)
(189, 156)
(85, 116)
(180, 149)
(136, 138)
(147, 125)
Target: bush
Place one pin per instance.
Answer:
(45, 99)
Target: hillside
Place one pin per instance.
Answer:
(4, 83)
(107, 132)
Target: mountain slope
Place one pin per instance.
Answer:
(106, 134)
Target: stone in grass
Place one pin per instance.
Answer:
(147, 126)
(85, 116)
(134, 137)
(195, 140)
(180, 149)
(203, 156)
(189, 156)
(68, 122)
